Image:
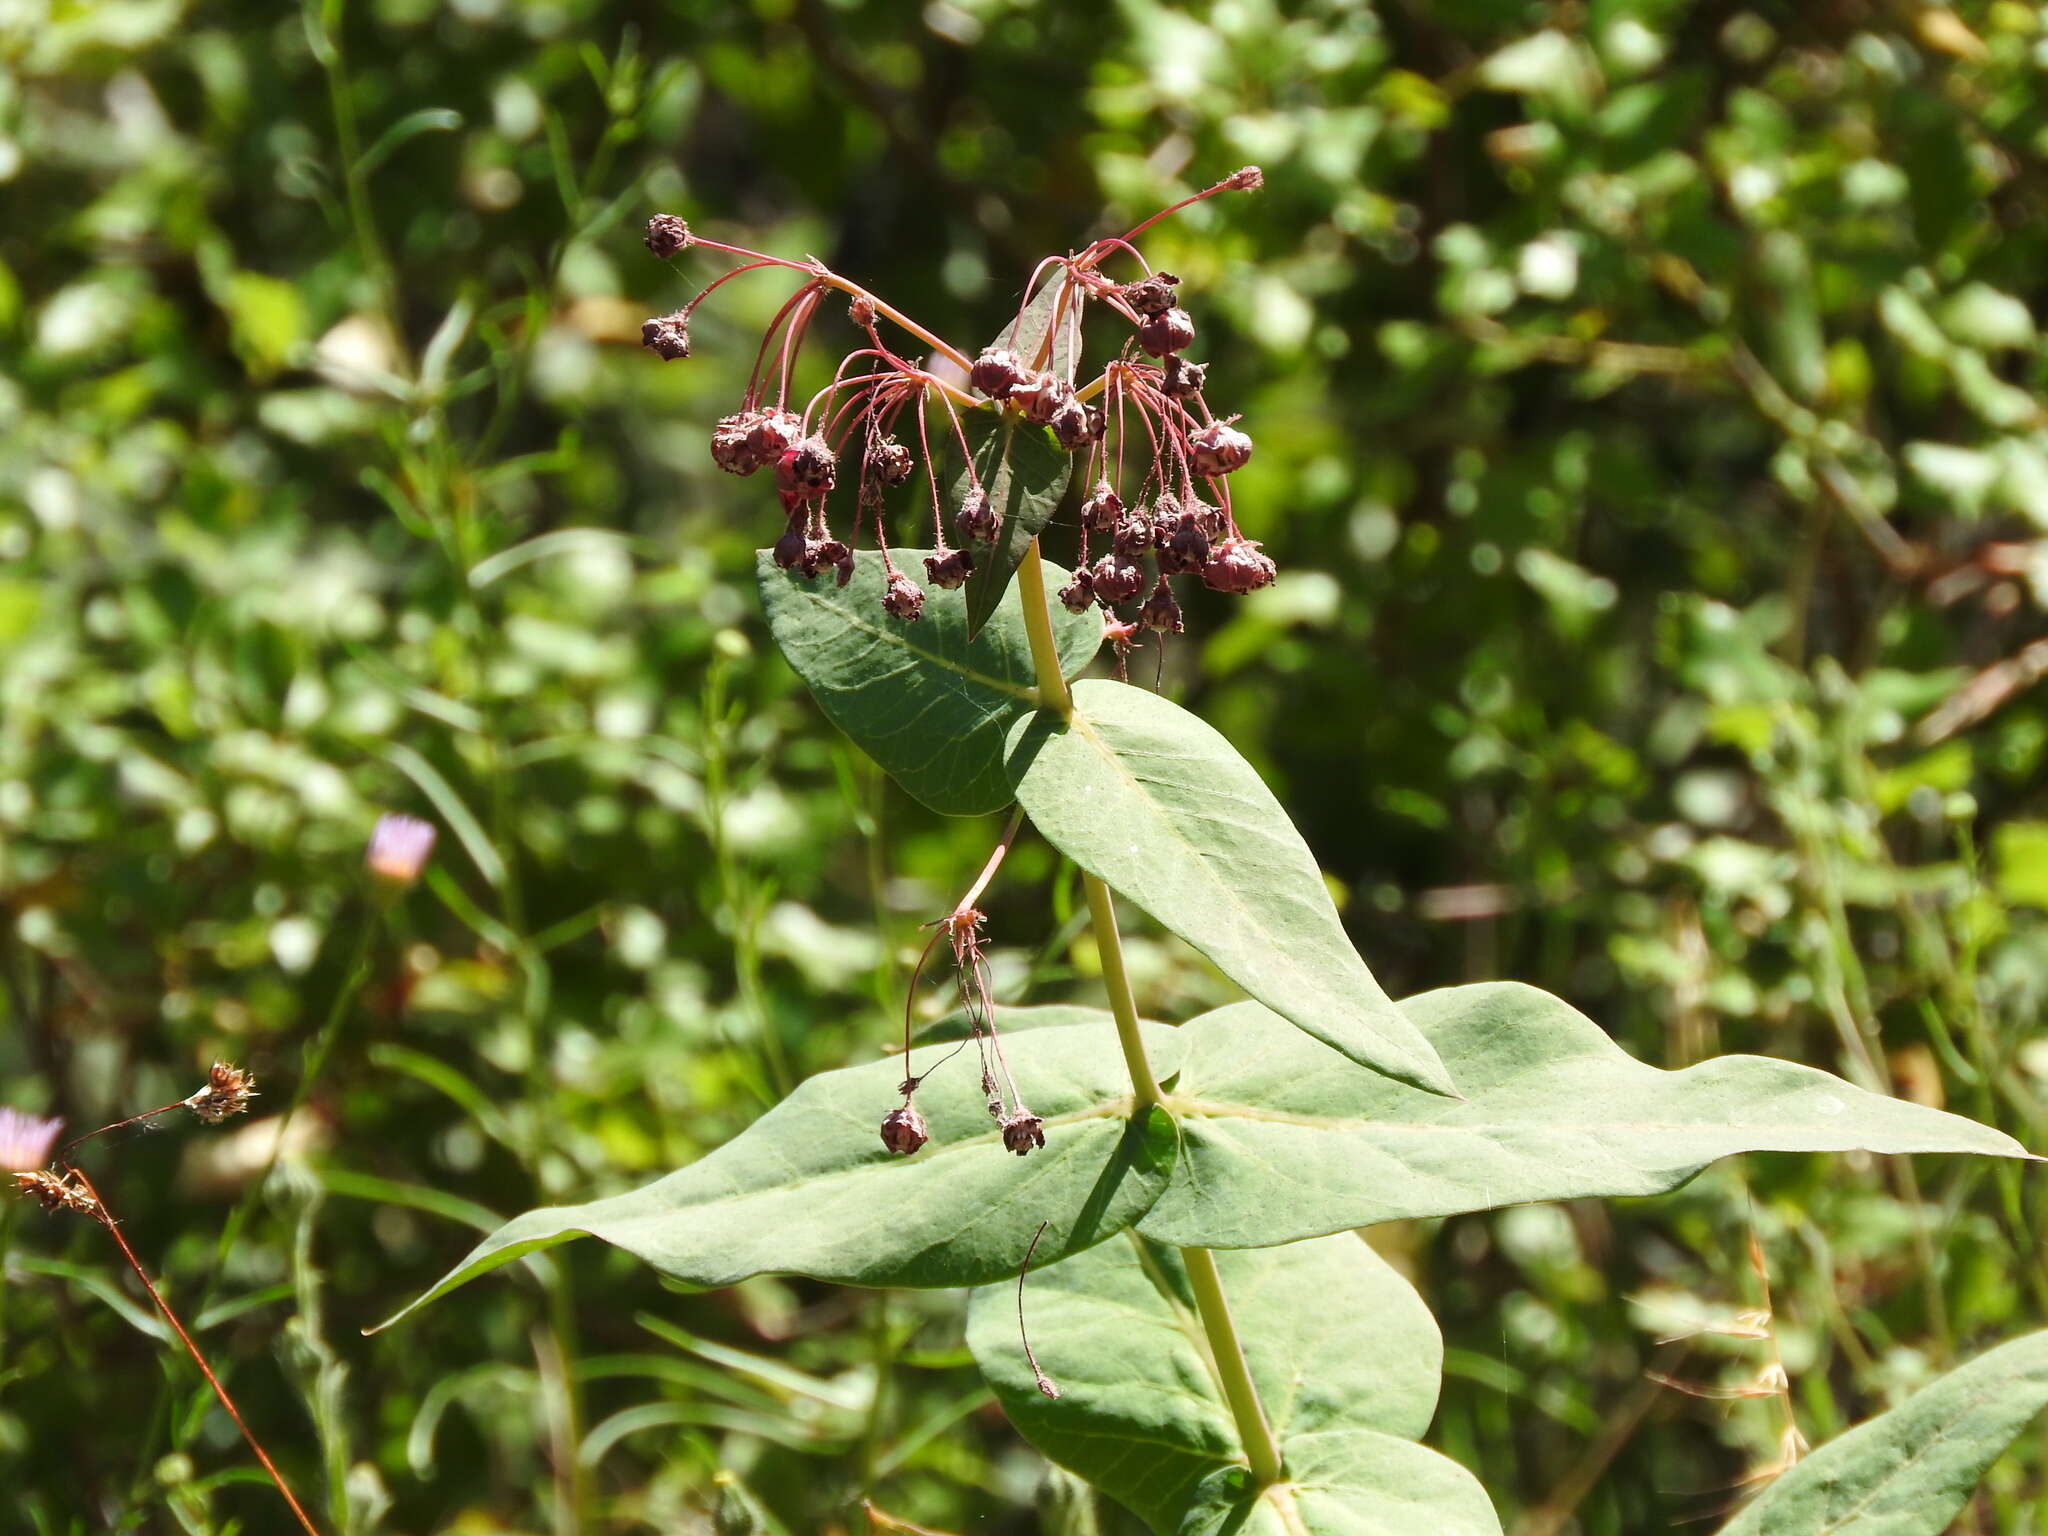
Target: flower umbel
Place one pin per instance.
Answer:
(227, 1092)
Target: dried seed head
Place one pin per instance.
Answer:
(1219, 448)
(904, 1131)
(1040, 395)
(732, 444)
(1077, 425)
(1116, 579)
(1023, 1131)
(890, 463)
(667, 235)
(773, 433)
(808, 470)
(903, 598)
(1079, 594)
(1182, 378)
(399, 848)
(54, 1193)
(862, 310)
(996, 372)
(1151, 295)
(25, 1140)
(1250, 179)
(977, 519)
(1160, 611)
(1166, 332)
(1134, 534)
(949, 569)
(1102, 508)
(1209, 519)
(667, 336)
(1236, 565)
(227, 1092)
(1185, 549)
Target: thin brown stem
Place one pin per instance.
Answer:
(106, 1220)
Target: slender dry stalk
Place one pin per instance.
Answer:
(98, 1211)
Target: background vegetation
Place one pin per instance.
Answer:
(1648, 400)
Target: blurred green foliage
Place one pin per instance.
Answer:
(1647, 397)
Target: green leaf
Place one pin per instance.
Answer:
(1155, 802)
(1279, 1141)
(1909, 1472)
(1025, 472)
(808, 1188)
(1348, 1384)
(930, 705)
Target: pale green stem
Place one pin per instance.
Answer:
(1122, 1005)
(1232, 1374)
(1260, 1449)
(1045, 654)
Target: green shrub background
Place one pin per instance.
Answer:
(1647, 400)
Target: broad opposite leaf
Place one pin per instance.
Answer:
(1279, 1141)
(808, 1188)
(932, 706)
(1156, 803)
(1909, 1472)
(1346, 1357)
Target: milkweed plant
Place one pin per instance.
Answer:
(1157, 1222)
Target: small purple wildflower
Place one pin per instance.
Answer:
(400, 847)
(25, 1140)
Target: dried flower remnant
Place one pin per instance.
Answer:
(949, 570)
(667, 236)
(1238, 566)
(1151, 295)
(1168, 331)
(996, 372)
(399, 848)
(977, 520)
(227, 1092)
(904, 1130)
(667, 336)
(903, 598)
(1220, 448)
(25, 1140)
(56, 1192)
(1023, 1131)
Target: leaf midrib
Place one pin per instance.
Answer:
(866, 626)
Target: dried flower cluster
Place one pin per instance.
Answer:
(1155, 460)
(227, 1092)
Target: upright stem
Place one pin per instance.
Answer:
(1045, 654)
(1260, 1449)
(1122, 1005)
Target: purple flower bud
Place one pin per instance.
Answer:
(1077, 425)
(399, 848)
(25, 1140)
(1102, 508)
(1040, 395)
(808, 470)
(1116, 579)
(1160, 611)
